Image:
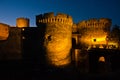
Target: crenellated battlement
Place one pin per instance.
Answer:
(95, 23)
(51, 18)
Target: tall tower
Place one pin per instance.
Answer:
(22, 22)
(57, 37)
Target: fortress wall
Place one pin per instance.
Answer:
(10, 49)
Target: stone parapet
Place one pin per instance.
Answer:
(50, 18)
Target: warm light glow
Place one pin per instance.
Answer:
(94, 32)
(23, 37)
(101, 59)
(22, 22)
(22, 25)
(23, 29)
(95, 40)
(59, 60)
(112, 45)
(99, 40)
(59, 54)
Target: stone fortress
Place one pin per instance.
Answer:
(56, 37)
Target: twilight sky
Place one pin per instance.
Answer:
(78, 9)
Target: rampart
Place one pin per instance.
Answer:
(51, 18)
(95, 23)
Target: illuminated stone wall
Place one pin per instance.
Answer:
(93, 31)
(4, 31)
(57, 38)
(22, 22)
(74, 28)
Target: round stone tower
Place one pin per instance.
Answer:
(57, 37)
(4, 31)
(22, 22)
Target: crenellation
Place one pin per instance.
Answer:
(48, 15)
(55, 20)
(50, 18)
(101, 23)
(61, 15)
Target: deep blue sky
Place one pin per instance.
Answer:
(78, 9)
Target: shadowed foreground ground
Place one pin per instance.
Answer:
(19, 70)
